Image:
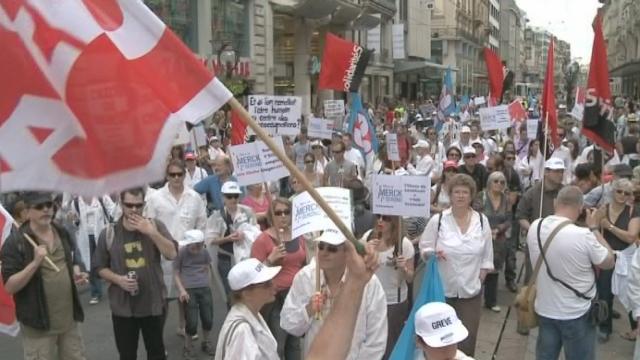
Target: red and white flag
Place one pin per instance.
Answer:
(517, 111)
(92, 94)
(8, 322)
(343, 64)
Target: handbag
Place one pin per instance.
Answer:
(525, 300)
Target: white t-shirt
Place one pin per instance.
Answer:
(389, 276)
(571, 255)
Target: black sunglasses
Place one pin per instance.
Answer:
(282, 212)
(330, 248)
(232, 196)
(501, 182)
(384, 217)
(469, 156)
(44, 205)
(133, 205)
(453, 154)
(309, 162)
(175, 174)
(626, 193)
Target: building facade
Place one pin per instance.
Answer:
(512, 25)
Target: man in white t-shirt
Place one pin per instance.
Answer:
(564, 313)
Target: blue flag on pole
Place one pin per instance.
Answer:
(446, 104)
(431, 290)
(362, 129)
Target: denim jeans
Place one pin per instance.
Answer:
(510, 266)
(200, 305)
(224, 266)
(577, 336)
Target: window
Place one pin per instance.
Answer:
(230, 23)
(180, 16)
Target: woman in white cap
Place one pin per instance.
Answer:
(438, 332)
(321, 159)
(244, 333)
(531, 167)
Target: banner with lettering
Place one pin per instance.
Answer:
(255, 163)
(277, 115)
(401, 195)
(309, 217)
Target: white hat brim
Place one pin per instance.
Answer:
(457, 334)
(265, 275)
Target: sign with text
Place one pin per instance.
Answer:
(255, 163)
(320, 128)
(308, 217)
(532, 128)
(334, 109)
(479, 100)
(397, 31)
(393, 153)
(401, 195)
(495, 117)
(277, 115)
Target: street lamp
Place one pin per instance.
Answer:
(228, 58)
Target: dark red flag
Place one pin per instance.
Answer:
(549, 103)
(343, 64)
(598, 111)
(238, 129)
(496, 75)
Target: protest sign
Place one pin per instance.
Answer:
(182, 136)
(479, 100)
(401, 195)
(277, 115)
(309, 217)
(320, 128)
(255, 163)
(198, 137)
(532, 128)
(334, 109)
(393, 153)
(495, 117)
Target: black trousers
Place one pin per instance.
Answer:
(127, 331)
(603, 282)
(510, 267)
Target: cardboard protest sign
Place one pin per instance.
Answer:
(277, 115)
(393, 153)
(309, 217)
(255, 163)
(532, 128)
(320, 128)
(479, 100)
(401, 195)
(198, 136)
(495, 117)
(334, 109)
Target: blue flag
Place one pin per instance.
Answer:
(431, 290)
(446, 104)
(362, 129)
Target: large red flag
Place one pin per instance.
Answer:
(98, 89)
(8, 322)
(598, 111)
(343, 64)
(549, 102)
(496, 75)
(238, 129)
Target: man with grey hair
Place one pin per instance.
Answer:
(566, 281)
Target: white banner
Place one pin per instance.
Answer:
(401, 195)
(334, 109)
(398, 41)
(277, 115)
(309, 217)
(198, 137)
(532, 128)
(255, 163)
(393, 153)
(373, 38)
(479, 100)
(320, 128)
(495, 117)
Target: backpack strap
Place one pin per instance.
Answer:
(104, 211)
(110, 235)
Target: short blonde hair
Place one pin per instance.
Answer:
(496, 175)
(463, 180)
(622, 184)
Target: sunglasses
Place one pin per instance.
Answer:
(175, 174)
(626, 193)
(384, 217)
(431, 133)
(133, 205)
(337, 152)
(510, 158)
(309, 162)
(328, 247)
(469, 156)
(501, 182)
(282, 212)
(454, 155)
(44, 205)
(232, 196)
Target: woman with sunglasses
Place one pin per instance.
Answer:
(437, 148)
(276, 247)
(620, 223)
(494, 204)
(245, 333)
(319, 156)
(310, 170)
(461, 239)
(395, 271)
(440, 191)
(531, 166)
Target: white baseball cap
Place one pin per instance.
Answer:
(554, 164)
(249, 272)
(331, 236)
(465, 129)
(421, 144)
(193, 236)
(230, 187)
(468, 150)
(438, 325)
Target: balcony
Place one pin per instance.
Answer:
(384, 7)
(453, 32)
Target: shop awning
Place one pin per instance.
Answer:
(628, 69)
(400, 66)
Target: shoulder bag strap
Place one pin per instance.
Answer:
(543, 250)
(544, 258)
(230, 331)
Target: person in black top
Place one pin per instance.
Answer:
(515, 190)
(472, 168)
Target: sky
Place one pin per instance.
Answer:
(569, 20)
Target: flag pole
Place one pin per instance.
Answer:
(293, 169)
(35, 245)
(544, 157)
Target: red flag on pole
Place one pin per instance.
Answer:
(8, 322)
(238, 129)
(98, 90)
(496, 75)
(549, 101)
(343, 64)
(598, 111)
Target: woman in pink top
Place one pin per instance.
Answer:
(275, 247)
(258, 201)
